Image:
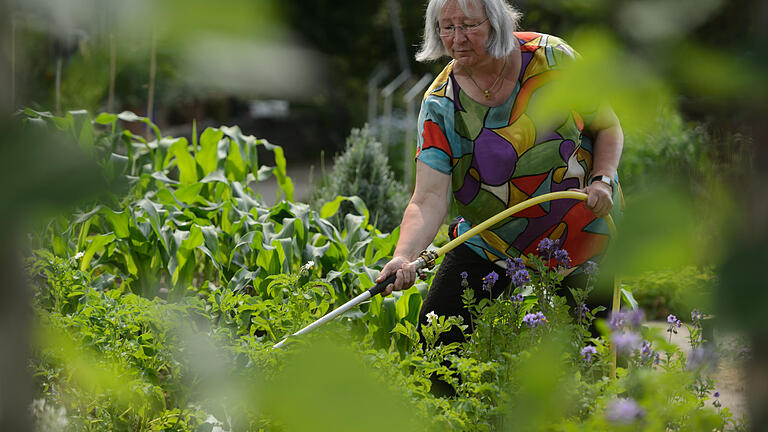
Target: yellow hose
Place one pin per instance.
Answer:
(527, 204)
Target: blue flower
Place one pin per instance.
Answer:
(584, 309)
(514, 265)
(646, 350)
(547, 247)
(561, 255)
(534, 319)
(626, 318)
(623, 411)
(490, 280)
(696, 315)
(625, 342)
(590, 268)
(587, 352)
(521, 277)
(704, 358)
(519, 263)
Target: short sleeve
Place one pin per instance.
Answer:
(433, 147)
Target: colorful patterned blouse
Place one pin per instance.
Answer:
(500, 156)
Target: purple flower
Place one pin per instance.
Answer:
(490, 280)
(514, 265)
(561, 255)
(587, 352)
(590, 268)
(624, 411)
(583, 309)
(534, 320)
(702, 358)
(656, 358)
(517, 298)
(521, 277)
(519, 263)
(696, 315)
(679, 323)
(716, 394)
(547, 247)
(625, 342)
(646, 349)
(672, 319)
(464, 282)
(626, 318)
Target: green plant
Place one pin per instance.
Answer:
(673, 291)
(363, 170)
(158, 307)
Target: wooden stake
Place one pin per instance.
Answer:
(152, 70)
(59, 63)
(13, 63)
(112, 63)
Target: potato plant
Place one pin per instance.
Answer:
(157, 308)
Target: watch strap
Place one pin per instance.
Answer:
(602, 178)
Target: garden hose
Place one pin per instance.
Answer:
(427, 260)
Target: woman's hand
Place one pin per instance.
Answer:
(406, 274)
(599, 198)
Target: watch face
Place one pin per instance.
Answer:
(602, 178)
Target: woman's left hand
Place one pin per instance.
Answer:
(599, 198)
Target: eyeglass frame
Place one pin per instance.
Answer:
(465, 28)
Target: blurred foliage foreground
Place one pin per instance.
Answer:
(157, 309)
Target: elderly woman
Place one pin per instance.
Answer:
(483, 139)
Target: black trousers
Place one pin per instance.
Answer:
(444, 296)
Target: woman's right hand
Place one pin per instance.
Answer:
(406, 274)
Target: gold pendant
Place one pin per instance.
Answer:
(487, 95)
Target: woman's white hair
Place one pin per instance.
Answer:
(501, 40)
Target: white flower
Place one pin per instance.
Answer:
(307, 267)
(79, 255)
(432, 316)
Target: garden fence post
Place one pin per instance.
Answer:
(112, 64)
(13, 63)
(387, 92)
(151, 95)
(381, 71)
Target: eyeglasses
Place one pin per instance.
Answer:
(464, 28)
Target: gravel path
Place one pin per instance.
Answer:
(729, 372)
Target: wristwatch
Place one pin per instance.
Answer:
(602, 178)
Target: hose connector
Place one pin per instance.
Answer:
(428, 258)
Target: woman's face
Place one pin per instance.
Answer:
(466, 47)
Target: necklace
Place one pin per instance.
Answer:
(487, 93)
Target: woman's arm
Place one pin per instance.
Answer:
(609, 142)
(421, 221)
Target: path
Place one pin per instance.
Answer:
(729, 373)
(302, 174)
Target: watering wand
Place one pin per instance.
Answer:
(427, 259)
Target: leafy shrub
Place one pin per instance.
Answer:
(674, 291)
(670, 148)
(363, 170)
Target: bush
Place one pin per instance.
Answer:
(664, 292)
(363, 170)
(670, 147)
